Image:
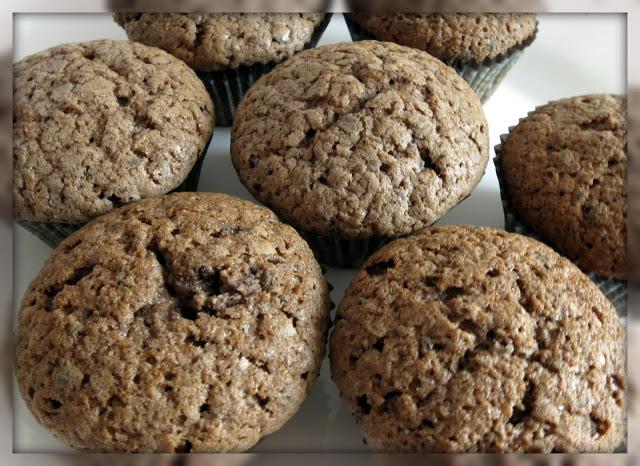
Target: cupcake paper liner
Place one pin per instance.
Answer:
(614, 289)
(53, 233)
(227, 87)
(484, 78)
(343, 253)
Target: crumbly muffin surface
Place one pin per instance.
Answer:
(100, 124)
(191, 322)
(468, 339)
(215, 41)
(360, 139)
(453, 37)
(565, 168)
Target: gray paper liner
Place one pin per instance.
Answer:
(483, 78)
(615, 290)
(228, 87)
(343, 253)
(53, 233)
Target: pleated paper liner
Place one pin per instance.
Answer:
(53, 233)
(484, 78)
(615, 290)
(340, 252)
(227, 87)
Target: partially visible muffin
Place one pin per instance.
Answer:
(453, 37)
(446, 6)
(230, 51)
(634, 185)
(565, 170)
(220, 6)
(469, 339)
(481, 47)
(190, 322)
(361, 140)
(100, 124)
(5, 138)
(215, 41)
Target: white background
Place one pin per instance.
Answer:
(573, 54)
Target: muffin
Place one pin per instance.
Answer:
(5, 138)
(191, 322)
(230, 51)
(469, 339)
(445, 6)
(481, 47)
(562, 172)
(357, 143)
(634, 186)
(99, 124)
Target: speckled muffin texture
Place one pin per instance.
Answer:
(360, 139)
(453, 38)
(216, 41)
(100, 124)
(191, 322)
(565, 168)
(470, 339)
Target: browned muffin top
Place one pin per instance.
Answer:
(360, 139)
(565, 168)
(467, 339)
(215, 41)
(453, 37)
(100, 124)
(190, 322)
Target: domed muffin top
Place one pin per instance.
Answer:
(190, 322)
(360, 139)
(99, 124)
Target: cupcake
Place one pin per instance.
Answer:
(357, 143)
(193, 322)
(99, 124)
(563, 172)
(469, 339)
(229, 51)
(482, 48)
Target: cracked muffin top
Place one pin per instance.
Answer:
(565, 170)
(216, 41)
(100, 124)
(360, 139)
(453, 37)
(469, 339)
(190, 322)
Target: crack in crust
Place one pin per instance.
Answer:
(100, 124)
(200, 315)
(360, 139)
(488, 341)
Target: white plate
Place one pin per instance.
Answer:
(573, 54)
